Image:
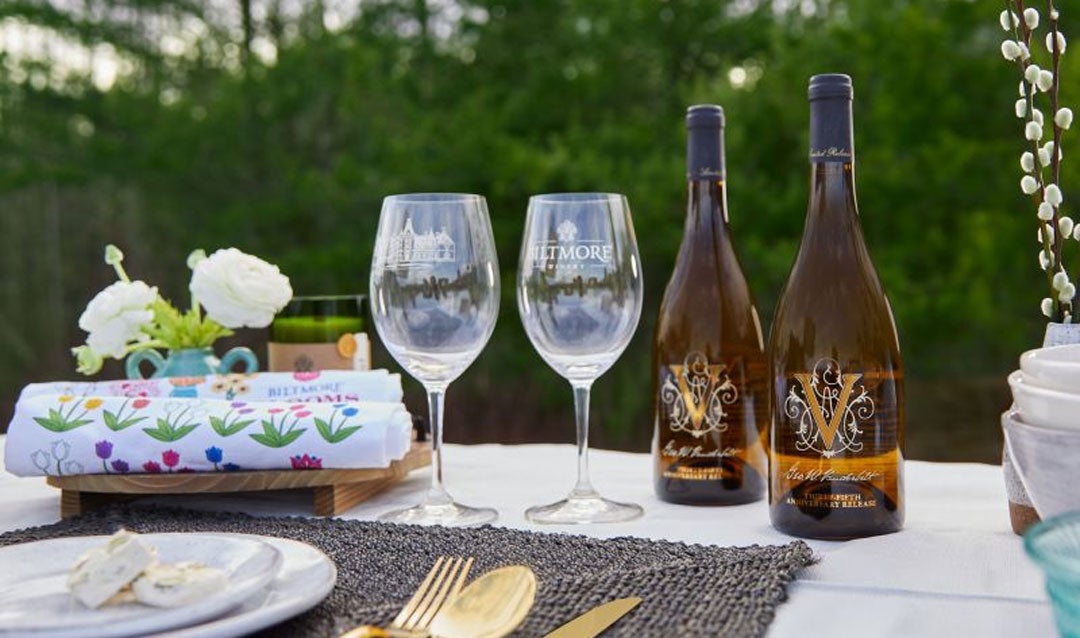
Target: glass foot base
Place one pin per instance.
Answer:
(583, 509)
(447, 514)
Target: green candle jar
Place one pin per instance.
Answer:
(320, 333)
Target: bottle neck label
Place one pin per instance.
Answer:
(831, 136)
(705, 154)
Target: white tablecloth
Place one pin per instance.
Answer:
(955, 570)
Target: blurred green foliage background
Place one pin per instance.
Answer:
(277, 126)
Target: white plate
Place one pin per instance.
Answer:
(1044, 407)
(35, 602)
(1055, 368)
(306, 577)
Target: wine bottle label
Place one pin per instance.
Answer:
(694, 394)
(831, 138)
(827, 408)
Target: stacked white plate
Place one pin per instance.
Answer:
(268, 580)
(1042, 430)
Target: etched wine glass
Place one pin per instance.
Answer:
(434, 300)
(579, 289)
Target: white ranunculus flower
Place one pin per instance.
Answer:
(1045, 80)
(1031, 73)
(240, 290)
(1021, 108)
(1010, 50)
(1066, 224)
(117, 316)
(1046, 212)
(1031, 18)
(1047, 306)
(1027, 161)
(1053, 195)
(1060, 41)
(1028, 184)
(1063, 117)
(1033, 131)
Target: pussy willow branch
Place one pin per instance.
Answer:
(1057, 312)
(1055, 160)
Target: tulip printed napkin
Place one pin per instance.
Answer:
(219, 423)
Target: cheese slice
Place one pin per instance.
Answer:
(102, 572)
(177, 584)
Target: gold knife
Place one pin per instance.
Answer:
(596, 620)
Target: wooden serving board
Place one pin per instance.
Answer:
(332, 491)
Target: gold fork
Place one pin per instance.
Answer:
(441, 585)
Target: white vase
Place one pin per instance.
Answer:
(1021, 512)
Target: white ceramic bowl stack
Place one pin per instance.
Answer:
(1042, 430)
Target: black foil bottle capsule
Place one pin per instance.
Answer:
(710, 390)
(837, 405)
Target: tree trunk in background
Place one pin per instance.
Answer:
(248, 25)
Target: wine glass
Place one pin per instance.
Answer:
(434, 299)
(579, 294)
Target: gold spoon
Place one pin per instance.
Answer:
(491, 606)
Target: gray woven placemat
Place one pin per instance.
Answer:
(688, 590)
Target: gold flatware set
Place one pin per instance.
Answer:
(491, 606)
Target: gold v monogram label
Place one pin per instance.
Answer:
(695, 394)
(827, 409)
(828, 430)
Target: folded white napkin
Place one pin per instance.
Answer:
(117, 427)
(328, 386)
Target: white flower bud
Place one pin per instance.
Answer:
(1021, 108)
(1045, 80)
(1063, 117)
(1059, 281)
(1046, 213)
(1008, 20)
(1053, 13)
(1044, 157)
(1076, 233)
(1023, 89)
(1047, 306)
(1037, 117)
(1027, 162)
(1060, 42)
(1025, 54)
(1045, 261)
(1033, 131)
(1049, 231)
(1010, 50)
(1031, 73)
(1053, 195)
(1067, 293)
(1028, 185)
(1031, 18)
(1066, 225)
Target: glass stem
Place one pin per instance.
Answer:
(584, 487)
(437, 494)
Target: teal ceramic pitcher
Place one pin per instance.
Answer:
(190, 362)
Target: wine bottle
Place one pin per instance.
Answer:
(836, 465)
(710, 388)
